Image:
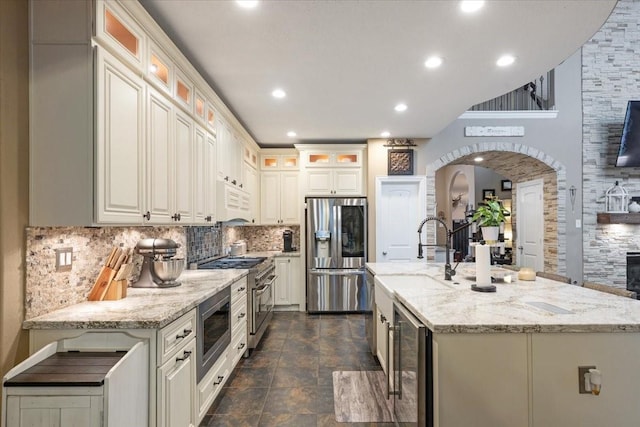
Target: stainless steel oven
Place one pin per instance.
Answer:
(261, 300)
(213, 330)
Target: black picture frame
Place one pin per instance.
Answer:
(488, 193)
(506, 185)
(400, 162)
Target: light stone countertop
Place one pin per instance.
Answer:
(538, 306)
(143, 308)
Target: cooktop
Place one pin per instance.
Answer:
(231, 262)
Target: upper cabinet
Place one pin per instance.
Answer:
(119, 32)
(277, 160)
(330, 170)
(140, 140)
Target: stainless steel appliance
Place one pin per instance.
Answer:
(213, 330)
(260, 294)
(412, 370)
(160, 268)
(336, 255)
(370, 326)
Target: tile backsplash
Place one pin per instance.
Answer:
(203, 243)
(48, 290)
(261, 238)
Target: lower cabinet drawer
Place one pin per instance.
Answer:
(238, 346)
(175, 335)
(238, 315)
(211, 384)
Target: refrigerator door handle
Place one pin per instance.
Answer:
(350, 272)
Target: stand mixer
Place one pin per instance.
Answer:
(159, 268)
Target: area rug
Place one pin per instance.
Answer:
(361, 397)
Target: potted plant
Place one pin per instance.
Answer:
(490, 215)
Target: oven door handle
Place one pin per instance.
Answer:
(271, 281)
(264, 288)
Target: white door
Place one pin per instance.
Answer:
(529, 210)
(400, 206)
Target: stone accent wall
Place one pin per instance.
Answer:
(610, 64)
(519, 163)
(48, 290)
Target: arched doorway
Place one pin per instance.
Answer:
(518, 163)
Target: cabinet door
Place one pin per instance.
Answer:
(251, 186)
(283, 282)
(200, 163)
(120, 143)
(159, 183)
(176, 389)
(54, 411)
(223, 150)
(183, 168)
(236, 159)
(210, 187)
(347, 182)
(289, 195)
(270, 198)
(319, 182)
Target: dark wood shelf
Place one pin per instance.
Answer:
(618, 218)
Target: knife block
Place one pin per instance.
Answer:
(117, 290)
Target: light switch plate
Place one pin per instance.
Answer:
(581, 371)
(64, 259)
(578, 223)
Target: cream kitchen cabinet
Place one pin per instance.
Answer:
(210, 187)
(120, 100)
(384, 318)
(229, 152)
(288, 284)
(176, 389)
(333, 182)
(251, 184)
(332, 171)
(279, 198)
(130, 85)
(278, 160)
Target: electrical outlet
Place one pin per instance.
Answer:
(581, 371)
(578, 223)
(64, 259)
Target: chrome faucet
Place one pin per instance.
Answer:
(448, 271)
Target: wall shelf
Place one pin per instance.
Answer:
(618, 218)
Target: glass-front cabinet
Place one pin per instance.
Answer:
(333, 158)
(121, 33)
(160, 69)
(279, 160)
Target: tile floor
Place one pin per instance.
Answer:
(288, 381)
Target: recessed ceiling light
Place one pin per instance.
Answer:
(278, 93)
(153, 68)
(291, 134)
(505, 60)
(385, 134)
(478, 159)
(247, 4)
(400, 107)
(433, 62)
(470, 6)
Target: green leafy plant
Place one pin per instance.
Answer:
(490, 213)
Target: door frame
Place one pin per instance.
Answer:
(421, 180)
(540, 252)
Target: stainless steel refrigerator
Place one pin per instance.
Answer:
(336, 255)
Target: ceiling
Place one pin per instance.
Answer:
(345, 64)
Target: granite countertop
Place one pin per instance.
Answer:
(538, 306)
(143, 308)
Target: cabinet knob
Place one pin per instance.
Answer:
(147, 215)
(384, 252)
(208, 218)
(240, 185)
(185, 355)
(226, 178)
(241, 289)
(241, 346)
(233, 182)
(241, 315)
(220, 378)
(176, 217)
(382, 318)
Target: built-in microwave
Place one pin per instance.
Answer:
(214, 330)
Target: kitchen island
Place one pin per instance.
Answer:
(511, 358)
